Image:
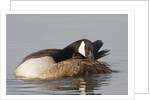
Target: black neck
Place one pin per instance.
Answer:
(64, 54)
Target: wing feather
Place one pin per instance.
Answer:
(76, 67)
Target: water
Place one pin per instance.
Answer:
(95, 84)
(29, 33)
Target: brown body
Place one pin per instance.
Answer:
(76, 67)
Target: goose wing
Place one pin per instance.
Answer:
(76, 67)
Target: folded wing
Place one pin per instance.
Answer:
(76, 67)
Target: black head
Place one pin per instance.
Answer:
(84, 47)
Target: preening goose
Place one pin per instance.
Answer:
(78, 58)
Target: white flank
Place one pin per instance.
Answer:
(35, 67)
(82, 48)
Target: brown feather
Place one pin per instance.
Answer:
(76, 67)
(41, 53)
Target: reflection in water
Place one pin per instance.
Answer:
(83, 85)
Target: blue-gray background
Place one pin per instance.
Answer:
(28, 33)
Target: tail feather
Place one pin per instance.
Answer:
(97, 45)
(101, 54)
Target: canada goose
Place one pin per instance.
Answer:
(45, 63)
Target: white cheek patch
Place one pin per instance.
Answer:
(81, 49)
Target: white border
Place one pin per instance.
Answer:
(5, 4)
(130, 57)
(141, 26)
